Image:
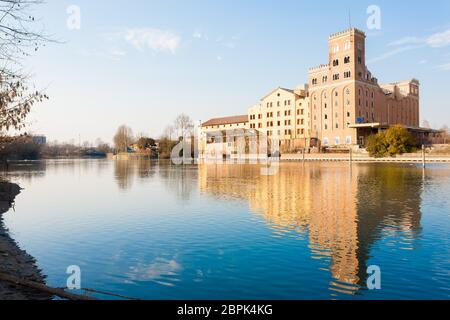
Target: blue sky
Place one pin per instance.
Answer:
(143, 62)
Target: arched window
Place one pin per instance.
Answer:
(347, 45)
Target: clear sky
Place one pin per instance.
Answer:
(142, 62)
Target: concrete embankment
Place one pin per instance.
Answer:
(14, 261)
(407, 158)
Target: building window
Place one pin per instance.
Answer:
(325, 141)
(347, 60)
(348, 140)
(348, 114)
(335, 63)
(336, 77)
(336, 48)
(347, 45)
(347, 74)
(337, 141)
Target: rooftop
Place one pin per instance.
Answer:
(351, 30)
(226, 120)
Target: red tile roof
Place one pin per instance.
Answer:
(226, 120)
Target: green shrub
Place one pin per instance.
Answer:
(395, 141)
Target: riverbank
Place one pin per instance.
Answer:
(365, 158)
(14, 261)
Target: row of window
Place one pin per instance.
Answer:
(336, 61)
(286, 103)
(336, 115)
(253, 125)
(336, 77)
(337, 140)
(286, 123)
(347, 46)
(287, 113)
(336, 94)
(287, 132)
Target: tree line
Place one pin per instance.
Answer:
(181, 128)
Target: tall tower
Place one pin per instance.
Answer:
(347, 55)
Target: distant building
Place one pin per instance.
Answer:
(340, 106)
(40, 140)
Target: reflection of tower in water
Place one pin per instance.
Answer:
(342, 211)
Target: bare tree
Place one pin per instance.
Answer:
(18, 37)
(184, 126)
(168, 133)
(123, 138)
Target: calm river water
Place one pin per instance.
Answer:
(157, 231)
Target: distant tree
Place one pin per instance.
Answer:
(395, 141)
(165, 147)
(86, 144)
(123, 138)
(101, 146)
(144, 143)
(184, 126)
(169, 132)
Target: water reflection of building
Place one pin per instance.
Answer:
(341, 210)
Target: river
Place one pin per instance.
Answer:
(158, 231)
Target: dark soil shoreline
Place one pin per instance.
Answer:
(14, 261)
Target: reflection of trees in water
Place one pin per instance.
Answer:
(181, 180)
(125, 171)
(389, 200)
(342, 212)
(26, 171)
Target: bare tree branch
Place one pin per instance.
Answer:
(18, 38)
